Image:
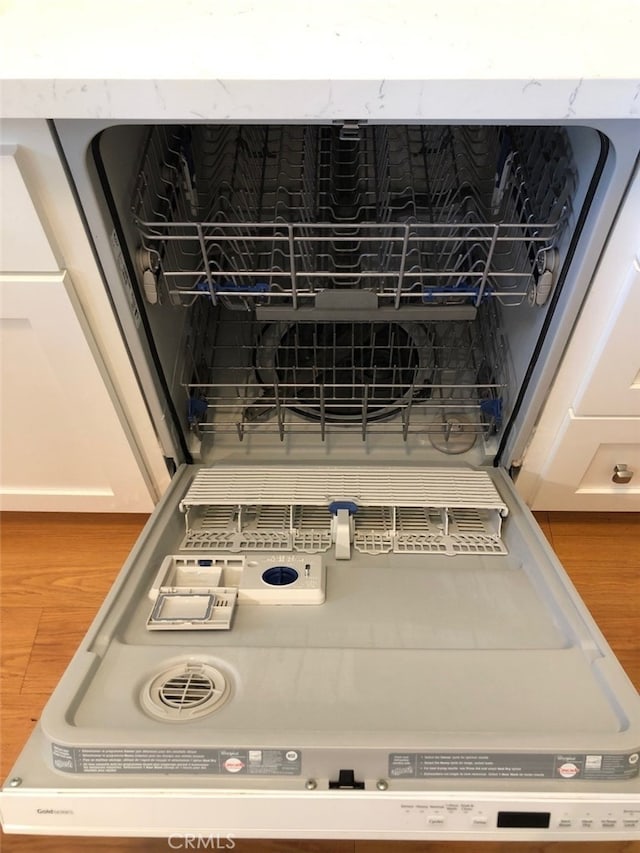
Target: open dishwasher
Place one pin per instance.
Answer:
(341, 621)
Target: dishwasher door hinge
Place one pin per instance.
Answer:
(514, 468)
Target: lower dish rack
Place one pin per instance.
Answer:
(374, 511)
(446, 380)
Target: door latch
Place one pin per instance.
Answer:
(346, 781)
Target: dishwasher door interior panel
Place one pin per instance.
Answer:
(416, 671)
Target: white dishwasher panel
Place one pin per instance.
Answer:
(420, 679)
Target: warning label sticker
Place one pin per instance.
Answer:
(495, 765)
(215, 762)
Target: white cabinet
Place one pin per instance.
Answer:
(62, 447)
(24, 246)
(611, 381)
(581, 473)
(66, 443)
(591, 422)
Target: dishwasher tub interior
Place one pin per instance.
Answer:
(379, 287)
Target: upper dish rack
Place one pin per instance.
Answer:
(285, 217)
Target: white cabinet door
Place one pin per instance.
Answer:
(24, 244)
(62, 445)
(611, 384)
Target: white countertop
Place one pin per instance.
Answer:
(280, 59)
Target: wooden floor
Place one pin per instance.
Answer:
(56, 570)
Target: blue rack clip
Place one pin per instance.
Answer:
(196, 410)
(492, 408)
(431, 293)
(351, 506)
(231, 287)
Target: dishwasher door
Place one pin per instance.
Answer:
(422, 694)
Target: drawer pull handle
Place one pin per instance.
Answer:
(622, 474)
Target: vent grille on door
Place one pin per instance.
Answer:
(185, 692)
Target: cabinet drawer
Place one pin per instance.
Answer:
(581, 466)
